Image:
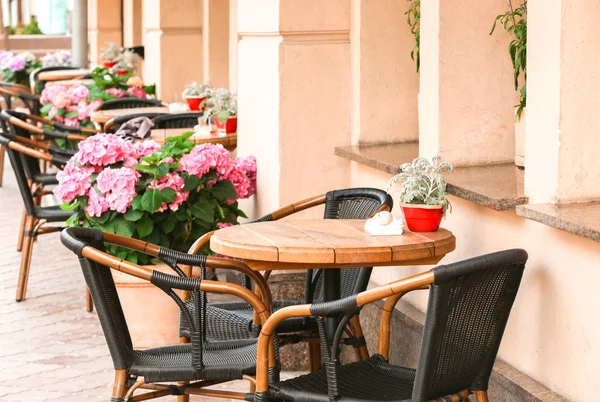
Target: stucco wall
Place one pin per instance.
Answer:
(552, 333)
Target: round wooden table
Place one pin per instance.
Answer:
(57, 75)
(229, 141)
(327, 243)
(102, 116)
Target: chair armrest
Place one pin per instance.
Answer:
(65, 136)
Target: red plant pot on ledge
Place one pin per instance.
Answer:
(121, 72)
(230, 126)
(194, 103)
(423, 218)
(109, 64)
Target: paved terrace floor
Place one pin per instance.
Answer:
(51, 349)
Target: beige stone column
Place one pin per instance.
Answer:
(132, 23)
(172, 35)
(104, 25)
(385, 83)
(466, 90)
(563, 99)
(216, 42)
(294, 97)
(233, 45)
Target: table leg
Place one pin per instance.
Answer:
(331, 291)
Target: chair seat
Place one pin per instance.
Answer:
(46, 179)
(372, 379)
(233, 320)
(226, 360)
(52, 213)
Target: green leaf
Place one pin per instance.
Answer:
(203, 211)
(133, 257)
(167, 195)
(223, 190)
(72, 114)
(145, 226)
(61, 112)
(124, 228)
(167, 226)
(133, 215)
(146, 168)
(191, 182)
(136, 203)
(46, 109)
(163, 169)
(151, 200)
(69, 206)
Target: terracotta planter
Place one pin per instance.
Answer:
(230, 126)
(109, 64)
(422, 218)
(520, 140)
(152, 316)
(194, 103)
(121, 72)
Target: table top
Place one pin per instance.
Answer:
(306, 244)
(63, 74)
(229, 141)
(70, 83)
(102, 116)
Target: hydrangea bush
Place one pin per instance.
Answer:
(60, 58)
(17, 67)
(68, 105)
(108, 85)
(168, 195)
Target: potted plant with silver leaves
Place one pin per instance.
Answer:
(195, 95)
(423, 194)
(110, 55)
(221, 107)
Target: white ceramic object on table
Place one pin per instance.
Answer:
(384, 224)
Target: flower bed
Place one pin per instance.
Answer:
(168, 196)
(17, 67)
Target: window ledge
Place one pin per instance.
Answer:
(499, 187)
(581, 219)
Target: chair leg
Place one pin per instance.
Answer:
(21, 230)
(314, 357)
(118, 392)
(1, 163)
(362, 352)
(89, 302)
(481, 396)
(183, 398)
(25, 259)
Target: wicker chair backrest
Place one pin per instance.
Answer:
(30, 164)
(39, 85)
(129, 103)
(468, 308)
(17, 164)
(32, 102)
(352, 203)
(177, 120)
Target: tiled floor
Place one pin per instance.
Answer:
(51, 349)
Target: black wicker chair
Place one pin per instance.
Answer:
(129, 103)
(233, 320)
(469, 306)
(36, 216)
(115, 123)
(201, 361)
(177, 120)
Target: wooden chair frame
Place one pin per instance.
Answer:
(392, 291)
(193, 388)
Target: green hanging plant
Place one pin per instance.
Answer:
(413, 17)
(514, 21)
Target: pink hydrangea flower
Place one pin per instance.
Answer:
(145, 148)
(240, 181)
(222, 225)
(72, 122)
(135, 81)
(50, 91)
(116, 92)
(61, 100)
(205, 157)
(97, 204)
(78, 93)
(118, 187)
(174, 181)
(73, 181)
(102, 150)
(137, 91)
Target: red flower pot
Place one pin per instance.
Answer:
(423, 218)
(121, 72)
(194, 103)
(230, 126)
(109, 64)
